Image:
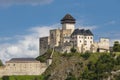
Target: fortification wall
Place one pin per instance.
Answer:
(23, 69)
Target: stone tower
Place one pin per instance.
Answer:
(68, 22)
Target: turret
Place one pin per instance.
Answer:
(68, 22)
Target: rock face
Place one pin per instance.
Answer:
(64, 65)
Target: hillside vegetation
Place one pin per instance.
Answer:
(88, 66)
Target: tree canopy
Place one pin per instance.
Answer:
(1, 64)
(116, 46)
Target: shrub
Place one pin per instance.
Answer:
(73, 50)
(86, 55)
(1, 64)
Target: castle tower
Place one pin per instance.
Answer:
(68, 22)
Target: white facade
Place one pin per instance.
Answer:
(68, 26)
(82, 42)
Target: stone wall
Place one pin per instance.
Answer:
(20, 68)
(104, 43)
(44, 44)
(54, 37)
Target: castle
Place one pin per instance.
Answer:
(61, 40)
(64, 39)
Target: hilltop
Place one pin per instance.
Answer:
(89, 66)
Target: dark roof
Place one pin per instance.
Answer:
(22, 60)
(67, 19)
(82, 32)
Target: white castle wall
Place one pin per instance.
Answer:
(82, 42)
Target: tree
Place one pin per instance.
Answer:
(73, 50)
(118, 60)
(86, 55)
(116, 46)
(1, 64)
(104, 66)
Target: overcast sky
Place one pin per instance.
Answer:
(22, 22)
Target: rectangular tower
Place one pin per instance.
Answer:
(44, 43)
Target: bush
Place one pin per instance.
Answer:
(116, 46)
(86, 55)
(44, 57)
(67, 54)
(118, 60)
(73, 50)
(1, 64)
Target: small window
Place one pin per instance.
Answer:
(85, 43)
(80, 41)
(13, 64)
(88, 37)
(91, 37)
(90, 41)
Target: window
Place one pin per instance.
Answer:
(88, 37)
(52, 36)
(85, 37)
(91, 37)
(85, 43)
(90, 41)
(80, 41)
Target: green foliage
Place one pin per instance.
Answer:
(23, 78)
(100, 69)
(1, 64)
(73, 50)
(86, 55)
(117, 77)
(91, 66)
(118, 60)
(44, 57)
(87, 66)
(104, 65)
(67, 54)
(70, 76)
(116, 47)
